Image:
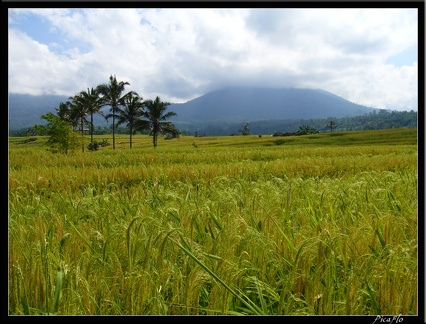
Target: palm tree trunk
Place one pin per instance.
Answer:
(113, 130)
(91, 128)
(82, 135)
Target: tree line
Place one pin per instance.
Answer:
(383, 119)
(129, 108)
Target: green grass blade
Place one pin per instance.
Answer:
(63, 240)
(249, 304)
(381, 239)
(373, 300)
(83, 238)
(58, 286)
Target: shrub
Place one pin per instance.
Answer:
(96, 146)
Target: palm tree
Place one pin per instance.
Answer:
(78, 114)
(92, 102)
(131, 113)
(156, 114)
(111, 95)
(64, 111)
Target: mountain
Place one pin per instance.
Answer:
(254, 104)
(234, 105)
(25, 110)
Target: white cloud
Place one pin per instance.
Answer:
(180, 54)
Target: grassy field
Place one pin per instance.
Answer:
(322, 224)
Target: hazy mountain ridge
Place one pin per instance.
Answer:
(26, 110)
(252, 104)
(230, 105)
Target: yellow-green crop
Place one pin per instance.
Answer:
(323, 224)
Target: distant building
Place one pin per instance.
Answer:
(78, 129)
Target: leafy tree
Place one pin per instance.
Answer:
(62, 137)
(306, 129)
(155, 112)
(244, 130)
(131, 113)
(111, 95)
(331, 124)
(170, 131)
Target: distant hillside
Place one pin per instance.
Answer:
(230, 105)
(25, 110)
(253, 104)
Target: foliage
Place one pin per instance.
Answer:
(28, 140)
(244, 129)
(156, 116)
(78, 114)
(62, 138)
(91, 100)
(131, 113)
(373, 121)
(111, 94)
(331, 124)
(306, 129)
(95, 145)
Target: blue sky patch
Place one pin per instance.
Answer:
(406, 57)
(42, 31)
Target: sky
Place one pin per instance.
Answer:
(367, 56)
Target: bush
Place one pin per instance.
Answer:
(31, 139)
(93, 146)
(96, 146)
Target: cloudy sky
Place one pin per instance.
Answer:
(367, 56)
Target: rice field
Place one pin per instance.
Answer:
(323, 224)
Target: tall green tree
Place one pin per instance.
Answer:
(155, 112)
(62, 137)
(92, 102)
(331, 124)
(131, 113)
(79, 112)
(64, 111)
(245, 130)
(111, 94)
